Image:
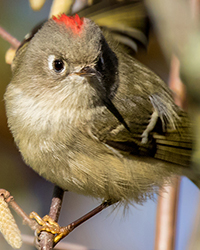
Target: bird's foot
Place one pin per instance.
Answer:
(47, 224)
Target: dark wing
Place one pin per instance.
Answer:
(158, 128)
(162, 136)
(173, 145)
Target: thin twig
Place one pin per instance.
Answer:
(176, 85)
(9, 38)
(10, 200)
(46, 239)
(89, 215)
(167, 208)
(31, 223)
(166, 217)
(68, 229)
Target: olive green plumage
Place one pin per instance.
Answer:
(69, 102)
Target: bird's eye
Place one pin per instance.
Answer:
(58, 65)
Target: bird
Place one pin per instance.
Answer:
(90, 118)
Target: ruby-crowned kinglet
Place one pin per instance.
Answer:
(90, 118)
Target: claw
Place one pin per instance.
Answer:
(49, 225)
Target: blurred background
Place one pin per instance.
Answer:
(110, 229)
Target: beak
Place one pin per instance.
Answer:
(89, 72)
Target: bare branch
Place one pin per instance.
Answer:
(46, 239)
(9, 38)
(10, 200)
(167, 216)
(68, 229)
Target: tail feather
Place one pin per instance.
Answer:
(175, 146)
(174, 155)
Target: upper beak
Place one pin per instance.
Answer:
(88, 71)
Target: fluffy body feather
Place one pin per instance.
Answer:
(67, 134)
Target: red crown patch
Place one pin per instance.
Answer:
(73, 22)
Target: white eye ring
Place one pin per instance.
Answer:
(56, 64)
